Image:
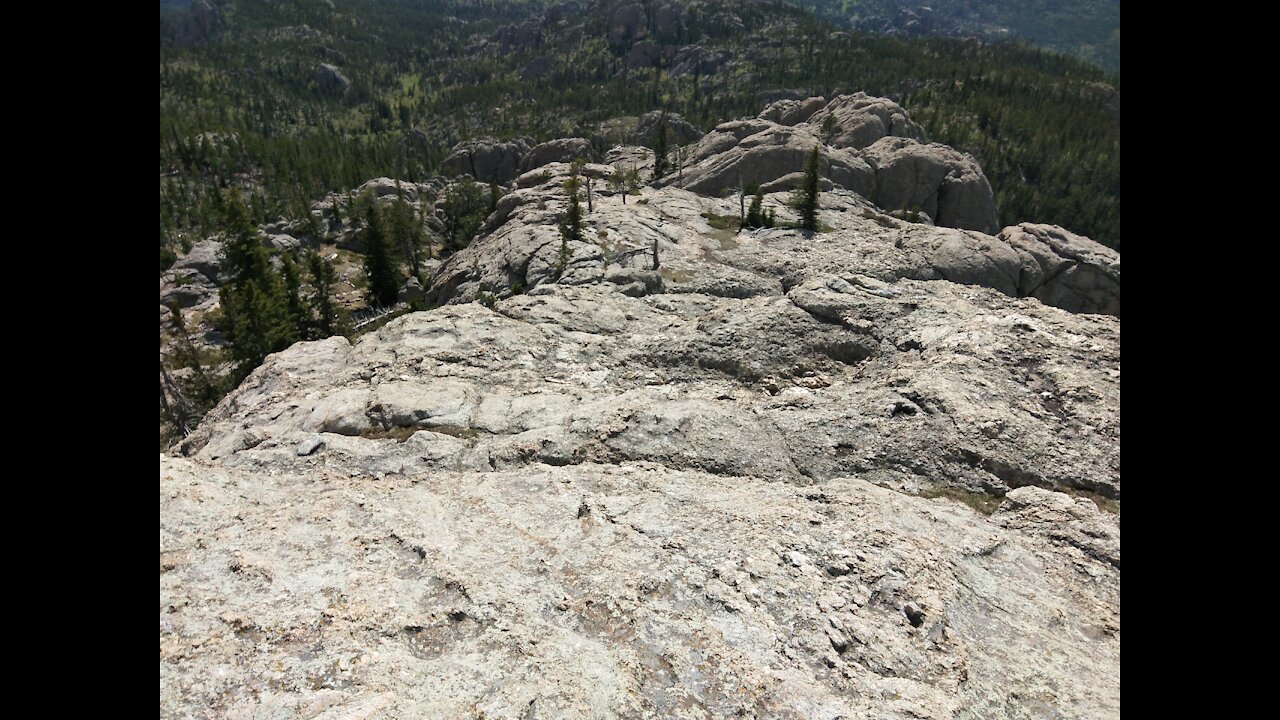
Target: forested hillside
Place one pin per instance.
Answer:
(1086, 29)
(287, 101)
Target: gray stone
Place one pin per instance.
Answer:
(862, 119)
(915, 615)
(412, 291)
(947, 185)
(282, 242)
(310, 445)
(643, 54)
(205, 258)
(627, 24)
(187, 288)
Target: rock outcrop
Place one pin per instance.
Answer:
(868, 472)
(946, 184)
(205, 258)
(679, 130)
(1069, 271)
(869, 146)
(862, 119)
(562, 150)
(330, 78)
(485, 160)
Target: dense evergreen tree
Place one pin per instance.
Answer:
(407, 234)
(323, 280)
(203, 389)
(755, 218)
(255, 314)
(660, 147)
(298, 314)
(463, 209)
(571, 220)
(805, 199)
(379, 265)
(260, 323)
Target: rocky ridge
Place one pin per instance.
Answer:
(586, 487)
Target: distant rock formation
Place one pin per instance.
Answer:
(869, 146)
(562, 150)
(679, 130)
(330, 78)
(485, 160)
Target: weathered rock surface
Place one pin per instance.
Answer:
(791, 112)
(522, 247)
(697, 60)
(643, 54)
(760, 151)
(699, 490)
(187, 288)
(602, 591)
(628, 24)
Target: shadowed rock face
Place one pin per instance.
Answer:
(485, 160)
(679, 130)
(692, 491)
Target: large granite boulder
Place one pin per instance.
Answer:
(627, 24)
(679, 130)
(722, 159)
(1069, 271)
(862, 119)
(946, 184)
(792, 112)
(205, 258)
(485, 160)
(562, 150)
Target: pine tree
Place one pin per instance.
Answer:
(406, 232)
(624, 182)
(243, 257)
(463, 210)
(204, 389)
(255, 315)
(829, 128)
(754, 217)
(261, 325)
(805, 199)
(384, 282)
(660, 147)
(323, 280)
(571, 221)
(293, 297)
